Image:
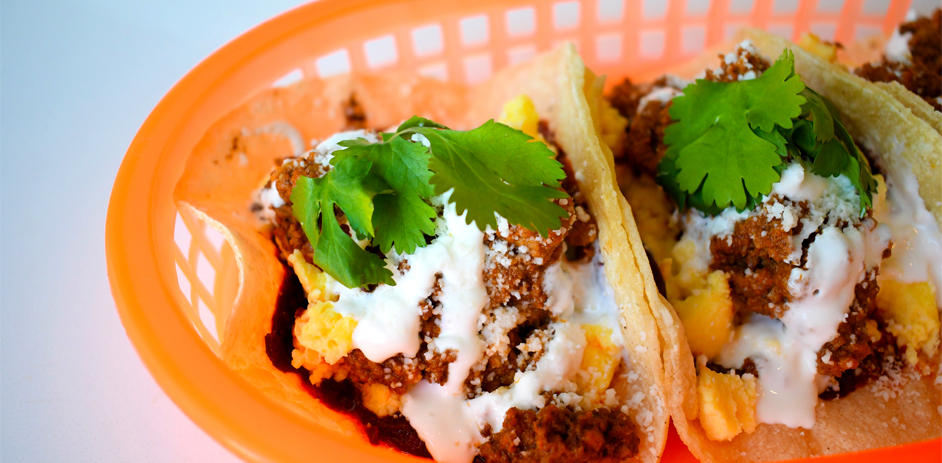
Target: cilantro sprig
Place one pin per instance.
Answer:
(383, 189)
(730, 141)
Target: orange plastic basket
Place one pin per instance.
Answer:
(174, 279)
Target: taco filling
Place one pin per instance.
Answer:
(799, 272)
(494, 343)
(912, 57)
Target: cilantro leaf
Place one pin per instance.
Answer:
(383, 189)
(730, 141)
(495, 168)
(816, 106)
(402, 218)
(714, 144)
(351, 187)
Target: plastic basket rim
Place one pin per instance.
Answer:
(137, 214)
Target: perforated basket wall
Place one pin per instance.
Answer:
(614, 37)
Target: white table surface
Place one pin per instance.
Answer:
(77, 79)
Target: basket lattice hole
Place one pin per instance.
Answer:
(653, 9)
(784, 6)
(692, 39)
(830, 6)
(474, 30)
(741, 6)
(610, 11)
(333, 63)
(824, 30)
(381, 51)
(521, 22)
(608, 48)
(296, 75)
(651, 44)
(566, 15)
(697, 8)
(427, 40)
(207, 276)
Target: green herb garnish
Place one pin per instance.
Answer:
(730, 141)
(383, 190)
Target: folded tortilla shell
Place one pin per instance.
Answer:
(236, 155)
(870, 417)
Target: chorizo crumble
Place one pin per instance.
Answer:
(516, 259)
(923, 75)
(754, 256)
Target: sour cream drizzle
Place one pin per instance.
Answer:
(388, 322)
(917, 244)
(388, 318)
(451, 425)
(785, 350)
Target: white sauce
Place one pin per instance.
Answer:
(450, 425)
(388, 323)
(897, 48)
(662, 94)
(388, 319)
(917, 245)
(323, 153)
(785, 351)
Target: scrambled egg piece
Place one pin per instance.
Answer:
(687, 274)
(912, 316)
(613, 126)
(519, 113)
(813, 44)
(380, 399)
(599, 361)
(727, 403)
(653, 212)
(313, 280)
(321, 334)
(708, 316)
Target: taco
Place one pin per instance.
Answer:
(470, 296)
(910, 67)
(790, 215)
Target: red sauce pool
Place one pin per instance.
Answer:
(340, 396)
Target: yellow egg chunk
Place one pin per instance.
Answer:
(727, 403)
(613, 126)
(319, 329)
(325, 331)
(708, 316)
(380, 400)
(911, 315)
(312, 278)
(599, 360)
(653, 213)
(813, 44)
(519, 113)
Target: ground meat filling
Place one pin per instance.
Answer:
(353, 114)
(924, 76)
(857, 336)
(556, 434)
(645, 147)
(516, 326)
(645, 141)
(754, 255)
